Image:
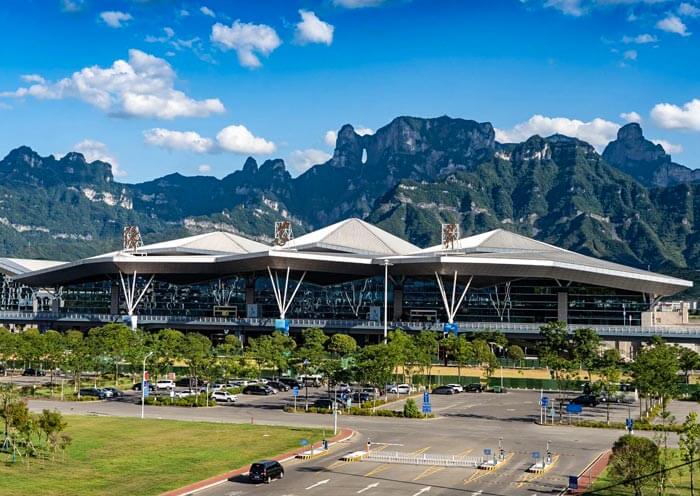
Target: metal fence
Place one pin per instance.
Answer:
(424, 459)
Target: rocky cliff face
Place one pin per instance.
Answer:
(647, 162)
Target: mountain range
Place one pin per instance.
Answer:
(631, 204)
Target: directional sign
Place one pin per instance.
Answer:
(630, 424)
(544, 401)
(448, 328)
(573, 408)
(427, 408)
(146, 389)
(487, 451)
(295, 391)
(536, 455)
(426, 397)
(304, 442)
(282, 325)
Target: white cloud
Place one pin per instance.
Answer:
(72, 5)
(688, 10)
(364, 131)
(235, 138)
(247, 39)
(357, 4)
(183, 13)
(115, 19)
(598, 132)
(204, 168)
(669, 148)
(238, 139)
(311, 29)
(141, 87)
(670, 116)
(96, 150)
(169, 33)
(640, 39)
(568, 7)
(631, 117)
(330, 138)
(672, 24)
(33, 78)
(207, 11)
(178, 140)
(300, 161)
(630, 55)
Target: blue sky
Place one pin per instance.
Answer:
(196, 86)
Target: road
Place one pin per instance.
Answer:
(466, 424)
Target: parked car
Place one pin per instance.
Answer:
(343, 388)
(265, 471)
(188, 382)
(457, 387)
(239, 382)
(474, 387)
(311, 380)
(94, 392)
(185, 394)
(116, 393)
(279, 386)
(224, 397)
(258, 389)
(137, 386)
(361, 397)
(108, 393)
(165, 384)
(585, 400)
(324, 403)
(444, 390)
(400, 389)
(33, 372)
(213, 387)
(292, 383)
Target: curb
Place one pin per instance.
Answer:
(193, 488)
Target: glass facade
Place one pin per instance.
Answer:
(522, 301)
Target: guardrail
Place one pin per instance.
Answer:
(424, 459)
(367, 325)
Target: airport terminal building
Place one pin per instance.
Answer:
(348, 277)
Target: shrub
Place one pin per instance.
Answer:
(410, 409)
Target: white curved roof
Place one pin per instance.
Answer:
(205, 244)
(17, 266)
(352, 236)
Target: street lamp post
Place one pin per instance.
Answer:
(143, 383)
(386, 298)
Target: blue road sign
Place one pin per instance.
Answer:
(573, 482)
(427, 408)
(573, 408)
(304, 442)
(295, 391)
(282, 325)
(146, 389)
(630, 424)
(450, 328)
(536, 455)
(544, 401)
(487, 451)
(426, 397)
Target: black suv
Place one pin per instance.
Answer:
(265, 471)
(97, 393)
(444, 390)
(585, 400)
(33, 372)
(474, 388)
(324, 403)
(258, 389)
(290, 382)
(279, 386)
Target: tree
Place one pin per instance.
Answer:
(633, 460)
(688, 360)
(342, 345)
(689, 444)
(402, 352)
(609, 372)
(230, 356)
(30, 347)
(585, 347)
(313, 347)
(167, 349)
(374, 365)
(8, 345)
(426, 349)
(410, 409)
(54, 352)
(113, 342)
(555, 353)
(78, 356)
(484, 355)
(515, 352)
(655, 371)
(272, 351)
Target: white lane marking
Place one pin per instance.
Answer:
(477, 493)
(424, 490)
(368, 488)
(319, 483)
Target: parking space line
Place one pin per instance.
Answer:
(434, 469)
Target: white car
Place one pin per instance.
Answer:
(457, 387)
(224, 397)
(107, 392)
(401, 389)
(165, 384)
(185, 394)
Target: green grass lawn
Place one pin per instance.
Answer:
(678, 483)
(144, 457)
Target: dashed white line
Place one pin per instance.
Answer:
(319, 483)
(368, 488)
(424, 490)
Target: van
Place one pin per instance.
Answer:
(265, 471)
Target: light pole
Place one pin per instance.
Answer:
(143, 383)
(386, 298)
